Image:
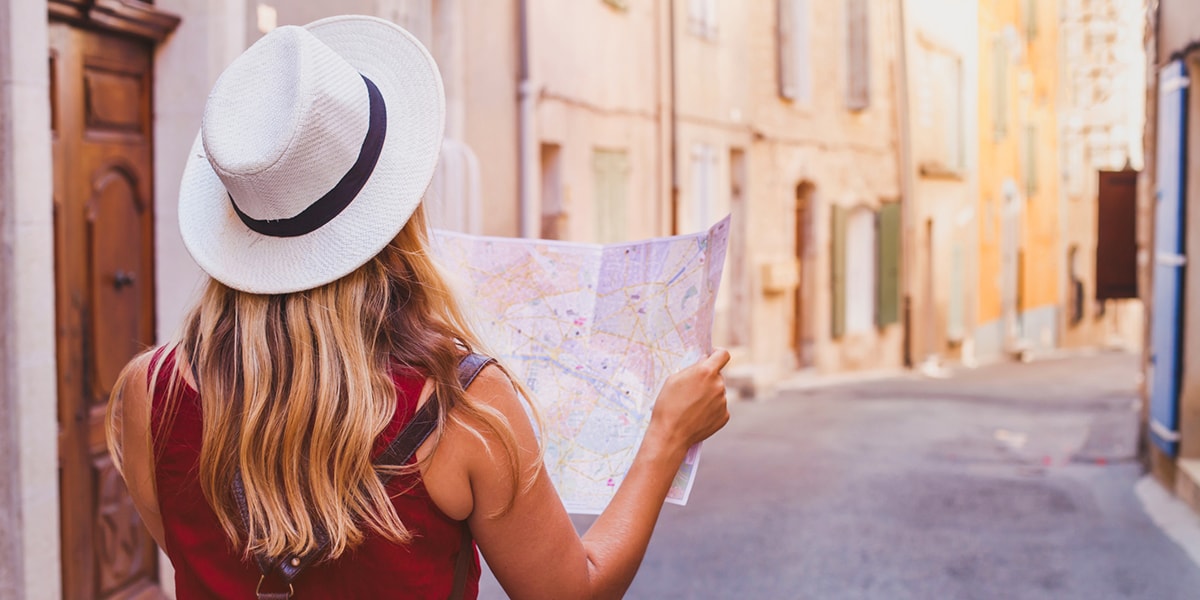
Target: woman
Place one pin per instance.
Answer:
(254, 445)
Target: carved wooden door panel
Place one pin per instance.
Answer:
(104, 269)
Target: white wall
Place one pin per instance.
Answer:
(210, 35)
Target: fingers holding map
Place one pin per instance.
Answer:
(593, 331)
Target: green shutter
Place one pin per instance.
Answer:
(1029, 12)
(889, 248)
(839, 271)
(610, 173)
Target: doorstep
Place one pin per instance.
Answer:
(1187, 482)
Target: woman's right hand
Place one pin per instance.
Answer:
(692, 405)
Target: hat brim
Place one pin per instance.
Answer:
(411, 86)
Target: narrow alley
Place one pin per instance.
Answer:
(1008, 481)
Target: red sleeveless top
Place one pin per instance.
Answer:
(207, 565)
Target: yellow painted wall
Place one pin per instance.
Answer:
(997, 155)
(1031, 83)
(1041, 227)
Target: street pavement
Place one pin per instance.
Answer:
(1012, 481)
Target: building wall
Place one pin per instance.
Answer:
(940, 222)
(594, 95)
(840, 157)
(475, 46)
(1018, 173)
(1102, 111)
(29, 518)
(1178, 27)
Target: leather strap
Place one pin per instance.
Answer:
(285, 570)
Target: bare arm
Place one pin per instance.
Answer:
(533, 548)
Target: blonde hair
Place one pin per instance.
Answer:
(295, 388)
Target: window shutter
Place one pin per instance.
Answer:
(889, 248)
(802, 40)
(1029, 12)
(786, 49)
(1031, 161)
(956, 328)
(858, 51)
(838, 255)
(610, 173)
(1116, 236)
(999, 87)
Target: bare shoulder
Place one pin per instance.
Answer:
(494, 402)
(493, 386)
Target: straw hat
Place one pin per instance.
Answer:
(316, 146)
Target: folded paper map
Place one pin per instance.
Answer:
(593, 331)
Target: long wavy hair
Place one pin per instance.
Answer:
(295, 388)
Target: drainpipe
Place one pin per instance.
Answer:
(530, 214)
(907, 186)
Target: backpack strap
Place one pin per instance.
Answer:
(285, 570)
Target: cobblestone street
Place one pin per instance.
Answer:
(1013, 481)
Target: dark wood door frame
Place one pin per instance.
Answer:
(100, 95)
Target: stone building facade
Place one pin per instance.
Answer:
(1102, 109)
(941, 178)
(840, 135)
(1019, 205)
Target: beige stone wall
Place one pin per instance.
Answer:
(595, 71)
(729, 98)
(941, 225)
(29, 519)
(1100, 135)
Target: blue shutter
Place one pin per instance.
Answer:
(1166, 314)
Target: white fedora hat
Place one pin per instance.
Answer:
(316, 147)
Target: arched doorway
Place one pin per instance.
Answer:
(802, 339)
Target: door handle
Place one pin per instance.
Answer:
(122, 279)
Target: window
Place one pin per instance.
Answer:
(1030, 154)
(702, 18)
(854, 270)
(795, 68)
(858, 54)
(860, 271)
(999, 87)
(554, 212)
(956, 321)
(939, 140)
(1029, 16)
(610, 172)
(704, 186)
(889, 260)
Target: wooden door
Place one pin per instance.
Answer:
(802, 342)
(104, 269)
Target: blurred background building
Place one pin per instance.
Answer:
(913, 183)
